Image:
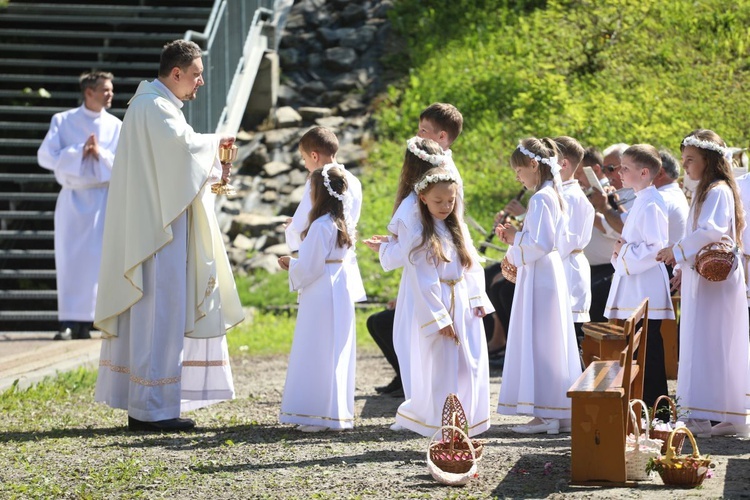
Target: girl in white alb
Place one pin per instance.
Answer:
(541, 357)
(713, 378)
(319, 389)
(448, 351)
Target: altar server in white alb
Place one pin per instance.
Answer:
(319, 389)
(580, 226)
(318, 148)
(420, 156)
(743, 184)
(638, 275)
(166, 293)
(80, 149)
(713, 378)
(448, 352)
(541, 357)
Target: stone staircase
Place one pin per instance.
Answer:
(44, 47)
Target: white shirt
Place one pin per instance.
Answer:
(677, 210)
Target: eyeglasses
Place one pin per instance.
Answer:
(610, 168)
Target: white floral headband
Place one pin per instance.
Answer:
(551, 161)
(345, 199)
(433, 179)
(691, 140)
(436, 160)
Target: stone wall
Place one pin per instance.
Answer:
(330, 72)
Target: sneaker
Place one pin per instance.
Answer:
(699, 427)
(548, 425)
(724, 429)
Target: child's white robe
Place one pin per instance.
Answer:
(571, 245)
(299, 222)
(439, 367)
(541, 357)
(743, 184)
(638, 275)
(713, 377)
(81, 204)
(677, 210)
(319, 387)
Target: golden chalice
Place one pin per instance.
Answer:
(227, 154)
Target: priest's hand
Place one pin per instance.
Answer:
(284, 262)
(226, 141)
(666, 255)
(676, 280)
(448, 331)
(91, 147)
(226, 172)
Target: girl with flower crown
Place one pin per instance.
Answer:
(541, 357)
(448, 347)
(421, 155)
(713, 378)
(319, 390)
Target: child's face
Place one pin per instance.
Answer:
(633, 175)
(311, 160)
(693, 163)
(528, 175)
(440, 199)
(428, 130)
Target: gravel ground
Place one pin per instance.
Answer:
(78, 449)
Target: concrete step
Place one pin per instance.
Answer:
(28, 294)
(28, 196)
(27, 215)
(26, 178)
(26, 254)
(110, 10)
(27, 273)
(76, 66)
(20, 143)
(36, 49)
(28, 315)
(99, 21)
(25, 235)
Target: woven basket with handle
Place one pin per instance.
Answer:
(683, 471)
(453, 453)
(679, 439)
(639, 449)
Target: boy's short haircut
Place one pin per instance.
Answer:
(90, 80)
(446, 117)
(645, 156)
(319, 140)
(591, 157)
(571, 150)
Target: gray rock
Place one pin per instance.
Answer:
(311, 112)
(351, 155)
(340, 58)
(313, 88)
(270, 197)
(274, 168)
(260, 242)
(298, 177)
(296, 196)
(236, 255)
(289, 58)
(359, 39)
(332, 97)
(381, 11)
(254, 224)
(269, 263)
(328, 36)
(353, 13)
(286, 189)
(232, 207)
(279, 137)
(243, 242)
(286, 116)
(287, 95)
(295, 21)
(347, 81)
(314, 61)
(271, 185)
(352, 104)
(279, 250)
(332, 122)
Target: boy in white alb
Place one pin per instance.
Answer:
(318, 147)
(580, 226)
(638, 275)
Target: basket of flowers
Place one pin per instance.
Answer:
(509, 270)
(639, 449)
(661, 429)
(686, 471)
(455, 454)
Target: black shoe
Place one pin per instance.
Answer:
(64, 334)
(394, 385)
(398, 393)
(171, 425)
(83, 330)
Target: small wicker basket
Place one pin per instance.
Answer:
(683, 471)
(716, 261)
(639, 449)
(453, 453)
(509, 270)
(679, 439)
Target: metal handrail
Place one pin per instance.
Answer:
(233, 29)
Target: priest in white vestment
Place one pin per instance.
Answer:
(167, 294)
(80, 149)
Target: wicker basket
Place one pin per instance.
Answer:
(454, 415)
(639, 449)
(683, 471)
(716, 261)
(509, 270)
(455, 452)
(679, 439)
(446, 463)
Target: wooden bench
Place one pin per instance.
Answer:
(602, 341)
(600, 400)
(669, 337)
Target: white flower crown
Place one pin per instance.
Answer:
(433, 179)
(437, 160)
(345, 199)
(551, 161)
(691, 140)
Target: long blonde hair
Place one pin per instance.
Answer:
(454, 224)
(718, 169)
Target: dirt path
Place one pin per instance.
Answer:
(372, 460)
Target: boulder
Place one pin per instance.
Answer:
(359, 39)
(353, 13)
(279, 137)
(274, 168)
(280, 249)
(254, 224)
(295, 197)
(312, 112)
(332, 122)
(340, 58)
(243, 242)
(286, 116)
(269, 263)
(351, 155)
